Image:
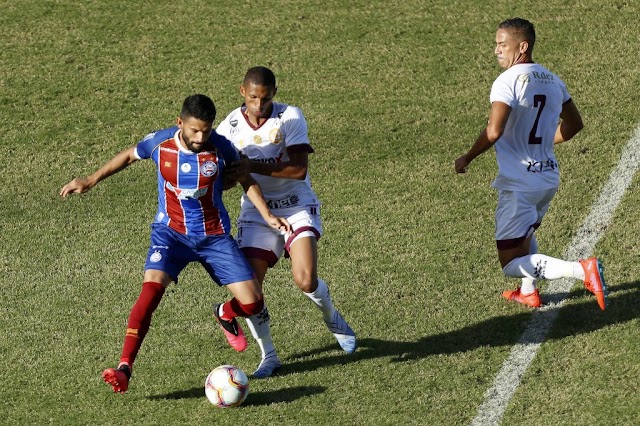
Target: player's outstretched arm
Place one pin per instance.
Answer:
(254, 193)
(294, 168)
(113, 166)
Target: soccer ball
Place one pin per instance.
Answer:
(226, 386)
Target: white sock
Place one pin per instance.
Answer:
(528, 285)
(540, 266)
(578, 271)
(260, 326)
(322, 299)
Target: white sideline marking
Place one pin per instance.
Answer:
(506, 382)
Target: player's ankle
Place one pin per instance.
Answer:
(125, 367)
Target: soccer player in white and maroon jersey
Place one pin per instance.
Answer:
(531, 111)
(273, 138)
(191, 225)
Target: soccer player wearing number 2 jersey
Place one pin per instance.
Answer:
(273, 138)
(531, 111)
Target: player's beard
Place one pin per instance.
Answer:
(191, 146)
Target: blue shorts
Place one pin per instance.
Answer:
(171, 251)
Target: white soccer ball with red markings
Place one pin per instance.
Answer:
(226, 386)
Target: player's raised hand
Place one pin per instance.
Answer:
(76, 186)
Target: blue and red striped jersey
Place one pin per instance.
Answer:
(189, 183)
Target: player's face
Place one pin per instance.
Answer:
(258, 99)
(194, 133)
(509, 49)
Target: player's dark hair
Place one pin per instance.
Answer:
(260, 76)
(200, 107)
(521, 26)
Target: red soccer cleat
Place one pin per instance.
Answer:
(232, 331)
(117, 378)
(532, 299)
(594, 280)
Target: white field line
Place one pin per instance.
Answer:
(506, 382)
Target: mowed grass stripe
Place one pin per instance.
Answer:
(508, 378)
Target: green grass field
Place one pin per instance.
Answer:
(393, 92)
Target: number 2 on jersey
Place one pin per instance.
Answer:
(538, 101)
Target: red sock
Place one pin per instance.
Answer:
(140, 320)
(233, 308)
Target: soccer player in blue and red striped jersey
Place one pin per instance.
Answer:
(191, 225)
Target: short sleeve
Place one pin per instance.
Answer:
(145, 147)
(294, 127)
(566, 97)
(223, 128)
(503, 91)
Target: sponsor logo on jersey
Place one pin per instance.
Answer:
(208, 168)
(277, 159)
(186, 167)
(187, 193)
(233, 122)
(257, 139)
(276, 136)
(167, 163)
(542, 75)
(288, 201)
(541, 166)
(525, 78)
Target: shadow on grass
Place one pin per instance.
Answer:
(282, 395)
(540, 325)
(255, 399)
(197, 392)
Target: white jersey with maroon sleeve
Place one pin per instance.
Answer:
(524, 152)
(286, 128)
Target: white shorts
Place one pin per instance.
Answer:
(519, 214)
(259, 240)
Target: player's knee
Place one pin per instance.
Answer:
(306, 283)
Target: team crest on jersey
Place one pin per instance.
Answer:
(234, 127)
(275, 135)
(208, 168)
(257, 139)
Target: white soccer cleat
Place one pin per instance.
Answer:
(343, 333)
(268, 366)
